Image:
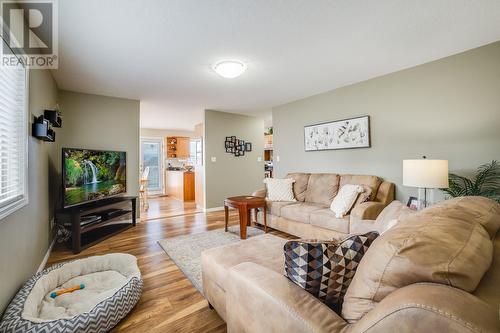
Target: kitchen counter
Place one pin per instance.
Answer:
(180, 184)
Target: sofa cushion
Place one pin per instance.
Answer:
(325, 268)
(371, 181)
(322, 188)
(487, 290)
(274, 207)
(448, 243)
(300, 185)
(265, 250)
(483, 211)
(300, 211)
(396, 210)
(325, 218)
(357, 226)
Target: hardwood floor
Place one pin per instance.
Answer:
(169, 302)
(162, 206)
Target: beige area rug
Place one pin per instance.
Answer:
(186, 250)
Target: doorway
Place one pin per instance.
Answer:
(152, 157)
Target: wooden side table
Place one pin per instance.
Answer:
(244, 204)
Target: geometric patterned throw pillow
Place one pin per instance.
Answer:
(326, 268)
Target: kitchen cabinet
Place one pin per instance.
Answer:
(177, 147)
(180, 185)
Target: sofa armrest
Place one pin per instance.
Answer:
(386, 193)
(429, 307)
(261, 300)
(367, 210)
(260, 193)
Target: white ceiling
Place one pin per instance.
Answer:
(161, 52)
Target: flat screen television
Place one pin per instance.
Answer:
(91, 175)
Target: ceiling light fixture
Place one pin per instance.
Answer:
(229, 69)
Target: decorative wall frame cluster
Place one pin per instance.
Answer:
(236, 146)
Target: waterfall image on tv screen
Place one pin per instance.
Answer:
(92, 174)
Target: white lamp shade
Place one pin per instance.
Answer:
(425, 173)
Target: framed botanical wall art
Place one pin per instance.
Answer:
(340, 134)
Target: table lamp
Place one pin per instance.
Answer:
(425, 174)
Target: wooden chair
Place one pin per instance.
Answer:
(143, 189)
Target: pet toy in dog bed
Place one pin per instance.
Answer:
(67, 290)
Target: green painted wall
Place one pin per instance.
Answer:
(101, 122)
(25, 235)
(230, 175)
(446, 109)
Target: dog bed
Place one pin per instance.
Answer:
(113, 285)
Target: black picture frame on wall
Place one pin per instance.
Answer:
(350, 133)
(248, 146)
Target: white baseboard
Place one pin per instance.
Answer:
(215, 209)
(47, 255)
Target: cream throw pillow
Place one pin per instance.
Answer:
(344, 200)
(279, 189)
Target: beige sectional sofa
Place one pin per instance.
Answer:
(310, 216)
(437, 270)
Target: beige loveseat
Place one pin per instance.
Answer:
(310, 216)
(437, 270)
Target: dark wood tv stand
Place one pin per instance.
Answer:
(115, 215)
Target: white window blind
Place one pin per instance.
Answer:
(13, 138)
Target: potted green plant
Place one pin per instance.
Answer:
(486, 183)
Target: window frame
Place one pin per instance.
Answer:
(196, 157)
(15, 204)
